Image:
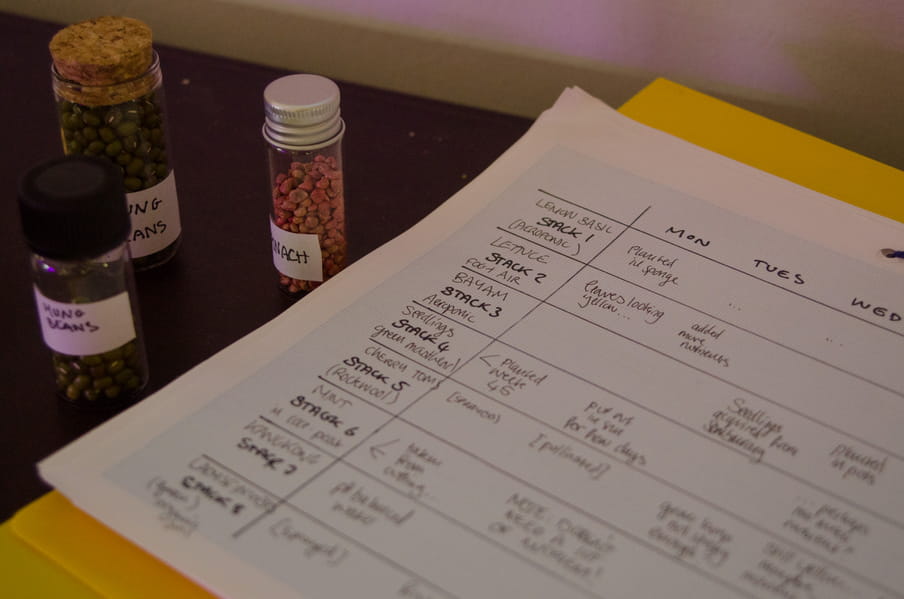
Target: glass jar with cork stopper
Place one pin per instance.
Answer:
(109, 92)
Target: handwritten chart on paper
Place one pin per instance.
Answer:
(598, 388)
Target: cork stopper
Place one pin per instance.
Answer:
(102, 51)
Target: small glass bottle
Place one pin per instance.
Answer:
(109, 92)
(76, 222)
(303, 129)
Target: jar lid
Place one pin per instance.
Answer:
(102, 51)
(301, 111)
(73, 207)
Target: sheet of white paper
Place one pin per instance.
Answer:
(614, 365)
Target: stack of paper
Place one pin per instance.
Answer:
(614, 365)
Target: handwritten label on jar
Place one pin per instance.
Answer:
(85, 329)
(296, 255)
(155, 217)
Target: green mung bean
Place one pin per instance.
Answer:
(108, 375)
(129, 134)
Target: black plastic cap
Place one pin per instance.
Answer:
(73, 207)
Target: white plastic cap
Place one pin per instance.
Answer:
(301, 111)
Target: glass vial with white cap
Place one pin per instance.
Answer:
(303, 130)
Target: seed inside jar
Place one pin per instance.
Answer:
(129, 134)
(309, 198)
(93, 379)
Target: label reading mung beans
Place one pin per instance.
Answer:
(85, 329)
(296, 255)
(155, 217)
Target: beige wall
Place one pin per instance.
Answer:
(833, 68)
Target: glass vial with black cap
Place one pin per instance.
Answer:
(76, 223)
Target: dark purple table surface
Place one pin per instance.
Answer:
(403, 157)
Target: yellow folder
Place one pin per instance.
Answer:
(769, 146)
(51, 549)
